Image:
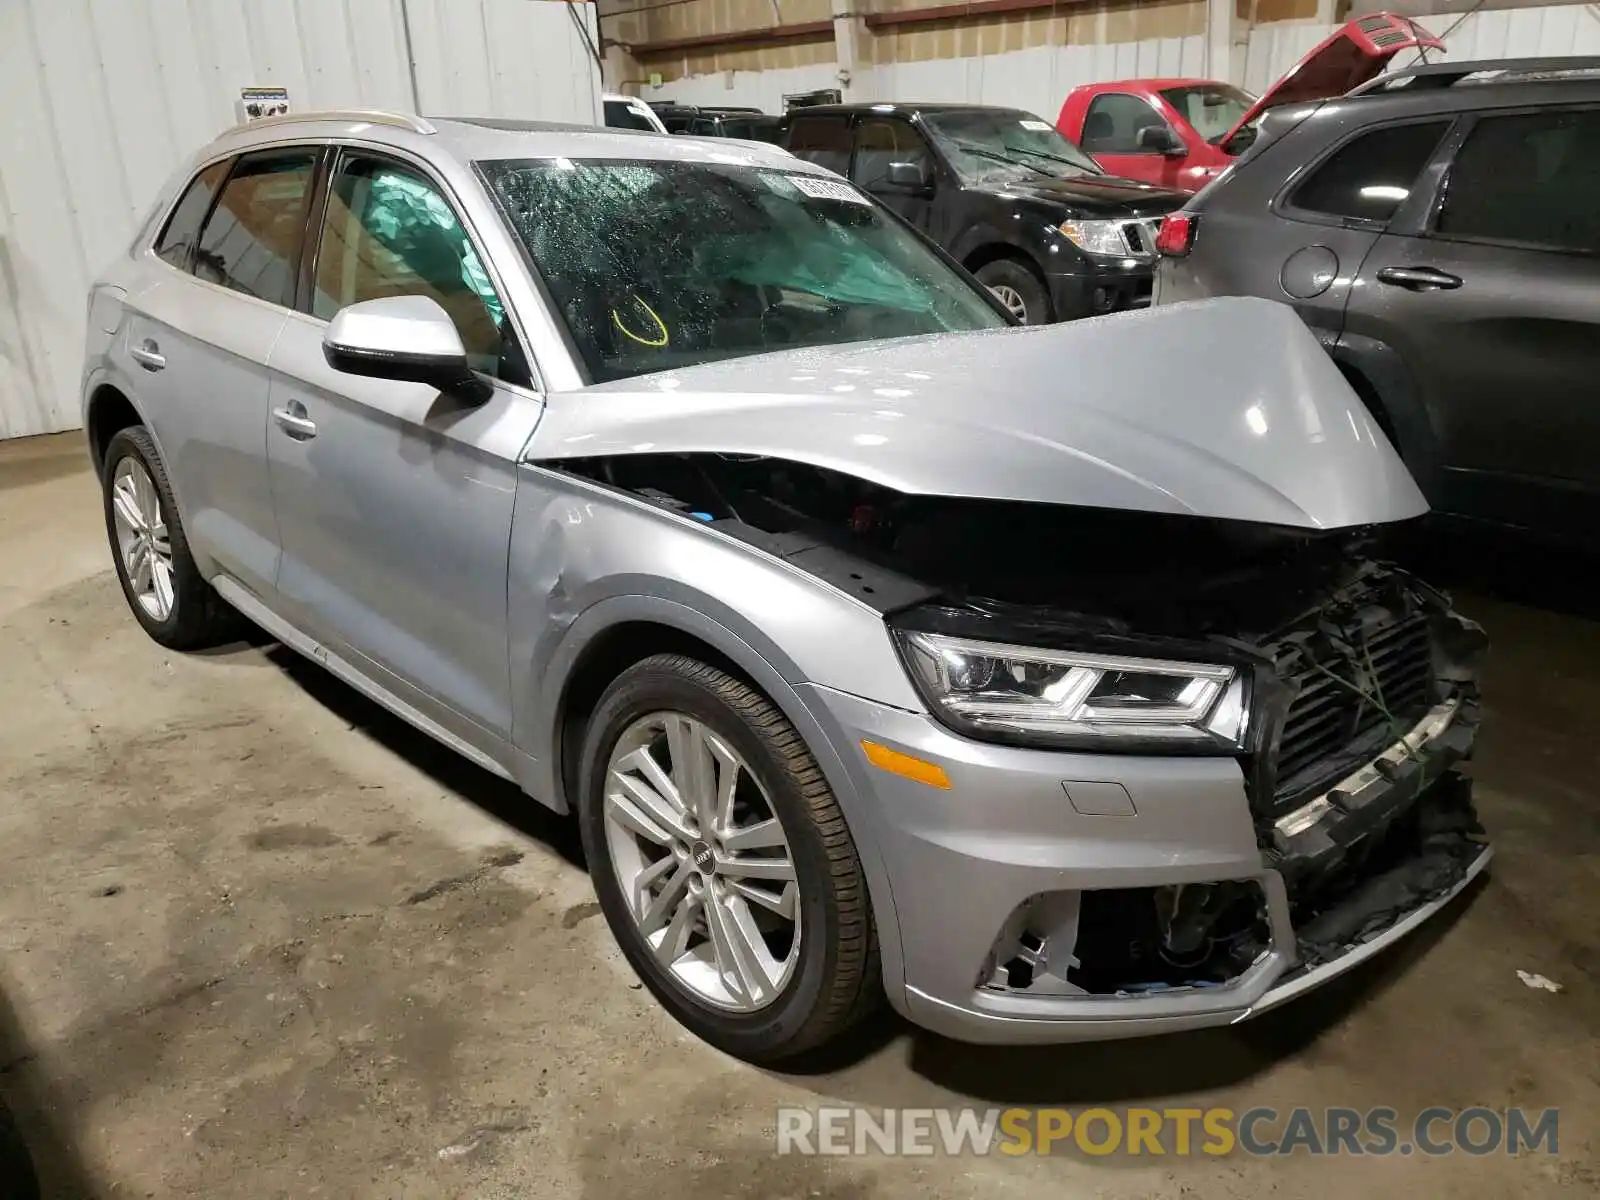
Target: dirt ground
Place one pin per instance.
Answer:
(259, 939)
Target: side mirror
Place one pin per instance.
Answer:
(408, 338)
(1162, 140)
(908, 177)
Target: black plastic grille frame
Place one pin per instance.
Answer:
(1329, 717)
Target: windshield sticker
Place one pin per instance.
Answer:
(1035, 124)
(827, 189)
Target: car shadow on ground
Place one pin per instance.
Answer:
(498, 797)
(37, 1155)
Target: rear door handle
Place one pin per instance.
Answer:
(148, 355)
(1419, 279)
(292, 420)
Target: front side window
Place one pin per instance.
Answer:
(1369, 178)
(1532, 178)
(1113, 123)
(659, 265)
(182, 234)
(880, 142)
(822, 140)
(388, 232)
(1005, 146)
(251, 242)
(1212, 109)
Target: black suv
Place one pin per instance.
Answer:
(1032, 216)
(1439, 229)
(700, 120)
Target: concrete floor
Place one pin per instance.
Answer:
(259, 939)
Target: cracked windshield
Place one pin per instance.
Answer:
(1000, 146)
(659, 265)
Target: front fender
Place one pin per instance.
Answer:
(980, 236)
(758, 657)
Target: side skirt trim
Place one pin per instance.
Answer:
(236, 594)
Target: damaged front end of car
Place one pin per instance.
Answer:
(1162, 576)
(1357, 685)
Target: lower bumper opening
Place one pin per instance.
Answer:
(1129, 293)
(1130, 941)
(1422, 855)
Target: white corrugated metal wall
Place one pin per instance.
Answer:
(1039, 79)
(101, 99)
(757, 89)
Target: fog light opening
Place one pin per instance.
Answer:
(1130, 941)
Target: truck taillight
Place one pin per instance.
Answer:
(1176, 235)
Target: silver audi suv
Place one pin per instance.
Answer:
(1047, 682)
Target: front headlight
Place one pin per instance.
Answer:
(1097, 237)
(989, 689)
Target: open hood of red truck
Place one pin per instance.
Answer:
(1355, 53)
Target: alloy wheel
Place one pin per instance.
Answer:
(702, 861)
(142, 538)
(1012, 299)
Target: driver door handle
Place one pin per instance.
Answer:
(292, 420)
(1419, 279)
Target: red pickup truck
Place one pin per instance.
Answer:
(1179, 133)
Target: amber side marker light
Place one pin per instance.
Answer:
(896, 763)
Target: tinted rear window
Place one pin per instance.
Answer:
(1531, 178)
(251, 243)
(178, 239)
(1368, 179)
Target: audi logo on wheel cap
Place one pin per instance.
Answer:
(702, 856)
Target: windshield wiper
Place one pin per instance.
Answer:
(981, 152)
(1063, 160)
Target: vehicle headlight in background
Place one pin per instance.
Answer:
(1002, 691)
(1096, 237)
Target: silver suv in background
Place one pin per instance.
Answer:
(879, 646)
(1439, 230)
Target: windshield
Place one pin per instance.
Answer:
(1004, 146)
(1210, 108)
(658, 265)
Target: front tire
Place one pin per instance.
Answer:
(160, 581)
(1016, 286)
(723, 863)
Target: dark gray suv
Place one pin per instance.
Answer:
(1439, 230)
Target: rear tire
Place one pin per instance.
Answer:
(829, 975)
(1016, 286)
(160, 581)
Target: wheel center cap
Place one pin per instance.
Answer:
(702, 857)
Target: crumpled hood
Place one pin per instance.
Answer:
(1225, 408)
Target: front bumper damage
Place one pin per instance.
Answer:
(1051, 897)
(1050, 894)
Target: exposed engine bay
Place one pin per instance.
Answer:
(1363, 686)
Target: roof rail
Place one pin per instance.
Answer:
(1481, 72)
(373, 116)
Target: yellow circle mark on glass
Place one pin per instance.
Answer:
(654, 343)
